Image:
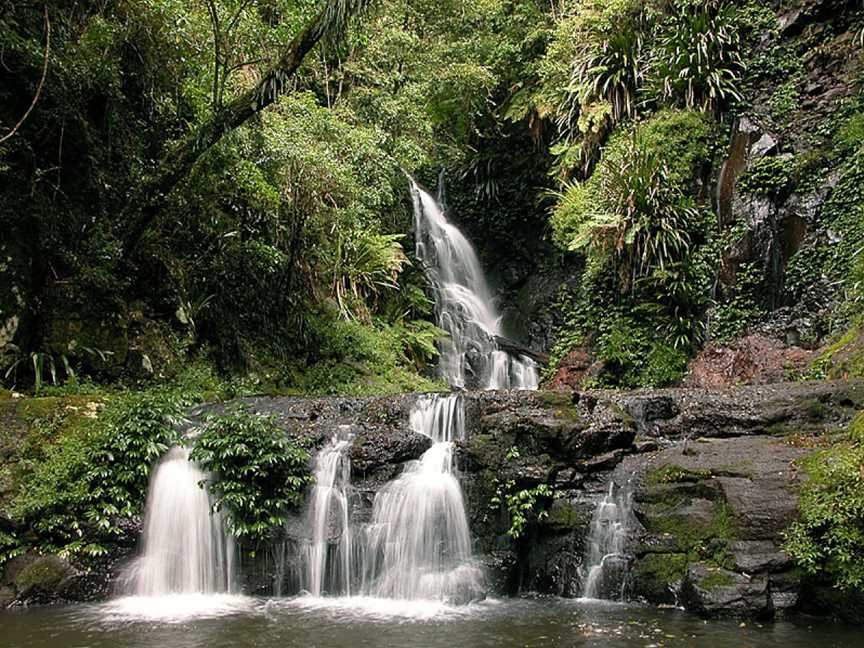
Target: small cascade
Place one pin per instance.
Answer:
(419, 544)
(606, 562)
(328, 556)
(185, 547)
(464, 306)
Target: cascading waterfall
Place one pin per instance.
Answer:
(464, 306)
(185, 547)
(328, 564)
(419, 544)
(606, 561)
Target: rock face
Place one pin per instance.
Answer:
(711, 515)
(752, 360)
(712, 475)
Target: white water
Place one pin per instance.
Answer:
(464, 306)
(185, 548)
(605, 560)
(328, 565)
(419, 544)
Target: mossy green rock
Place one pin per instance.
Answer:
(45, 574)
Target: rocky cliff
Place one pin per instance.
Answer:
(712, 474)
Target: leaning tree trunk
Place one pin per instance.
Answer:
(147, 200)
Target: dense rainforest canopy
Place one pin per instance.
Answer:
(226, 180)
(205, 198)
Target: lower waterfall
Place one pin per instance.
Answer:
(606, 562)
(328, 568)
(185, 549)
(417, 545)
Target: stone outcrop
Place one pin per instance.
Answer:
(752, 360)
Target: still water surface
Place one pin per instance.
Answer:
(240, 622)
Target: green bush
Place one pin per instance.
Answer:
(697, 59)
(96, 473)
(257, 474)
(828, 539)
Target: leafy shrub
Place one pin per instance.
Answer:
(97, 473)
(636, 217)
(257, 474)
(521, 505)
(829, 536)
(592, 73)
(697, 60)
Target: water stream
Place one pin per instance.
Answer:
(464, 306)
(185, 549)
(328, 564)
(419, 544)
(605, 561)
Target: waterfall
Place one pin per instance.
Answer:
(328, 564)
(419, 544)
(606, 563)
(185, 548)
(464, 306)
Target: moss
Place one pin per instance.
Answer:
(562, 403)
(673, 474)
(656, 575)
(32, 409)
(717, 578)
(814, 409)
(843, 359)
(564, 515)
(45, 573)
(623, 415)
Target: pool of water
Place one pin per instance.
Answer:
(241, 622)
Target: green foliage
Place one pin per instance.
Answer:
(258, 474)
(829, 536)
(359, 359)
(697, 59)
(770, 176)
(520, 504)
(784, 102)
(648, 266)
(731, 318)
(74, 493)
(608, 60)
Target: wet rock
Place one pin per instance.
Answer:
(752, 556)
(716, 592)
(39, 579)
(375, 450)
(764, 505)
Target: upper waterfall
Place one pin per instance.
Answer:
(464, 306)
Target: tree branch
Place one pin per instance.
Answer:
(143, 206)
(41, 81)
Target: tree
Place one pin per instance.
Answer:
(144, 205)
